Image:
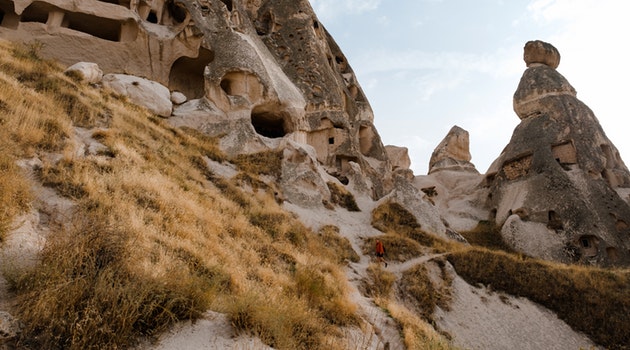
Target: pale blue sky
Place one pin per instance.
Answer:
(426, 65)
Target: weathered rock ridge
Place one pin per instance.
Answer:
(556, 188)
(254, 71)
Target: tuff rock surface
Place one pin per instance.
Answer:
(251, 70)
(555, 189)
(453, 152)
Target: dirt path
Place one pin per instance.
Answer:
(356, 227)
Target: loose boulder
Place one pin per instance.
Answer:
(150, 94)
(89, 72)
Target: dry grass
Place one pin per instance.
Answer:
(379, 282)
(425, 292)
(391, 217)
(397, 248)
(486, 234)
(15, 194)
(342, 197)
(591, 300)
(341, 247)
(155, 237)
(416, 332)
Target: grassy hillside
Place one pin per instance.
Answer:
(154, 237)
(591, 300)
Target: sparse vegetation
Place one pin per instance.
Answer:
(380, 282)
(592, 300)
(486, 234)
(391, 217)
(340, 246)
(397, 248)
(154, 236)
(425, 292)
(342, 197)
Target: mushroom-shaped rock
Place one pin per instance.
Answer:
(453, 152)
(556, 189)
(537, 51)
(540, 83)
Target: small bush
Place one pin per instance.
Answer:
(486, 234)
(391, 217)
(282, 323)
(426, 295)
(89, 297)
(262, 163)
(340, 246)
(342, 197)
(15, 192)
(379, 282)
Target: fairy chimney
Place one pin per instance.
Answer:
(562, 171)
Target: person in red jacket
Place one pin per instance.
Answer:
(380, 252)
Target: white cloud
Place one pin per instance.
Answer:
(327, 10)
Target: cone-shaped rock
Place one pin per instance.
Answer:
(556, 188)
(453, 153)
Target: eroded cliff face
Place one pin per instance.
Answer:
(255, 71)
(557, 187)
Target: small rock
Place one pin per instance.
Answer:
(90, 72)
(178, 98)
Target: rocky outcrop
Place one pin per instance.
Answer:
(398, 156)
(255, 70)
(554, 187)
(453, 152)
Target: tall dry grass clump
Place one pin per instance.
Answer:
(591, 300)
(155, 237)
(391, 217)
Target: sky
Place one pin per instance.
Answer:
(428, 65)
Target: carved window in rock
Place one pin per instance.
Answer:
(588, 245)
(564, 153)
(242, 84)
(8, 17)
(269, 123)
(163, 13)
(36, 12)
(186, 74)
(518, 167)
(554, 221)
(343, 162)
(100, 27)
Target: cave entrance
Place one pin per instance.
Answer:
(186, 74)
(269, 124)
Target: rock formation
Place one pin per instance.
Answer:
(453, 152)
(555, 187)
(253, 71)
